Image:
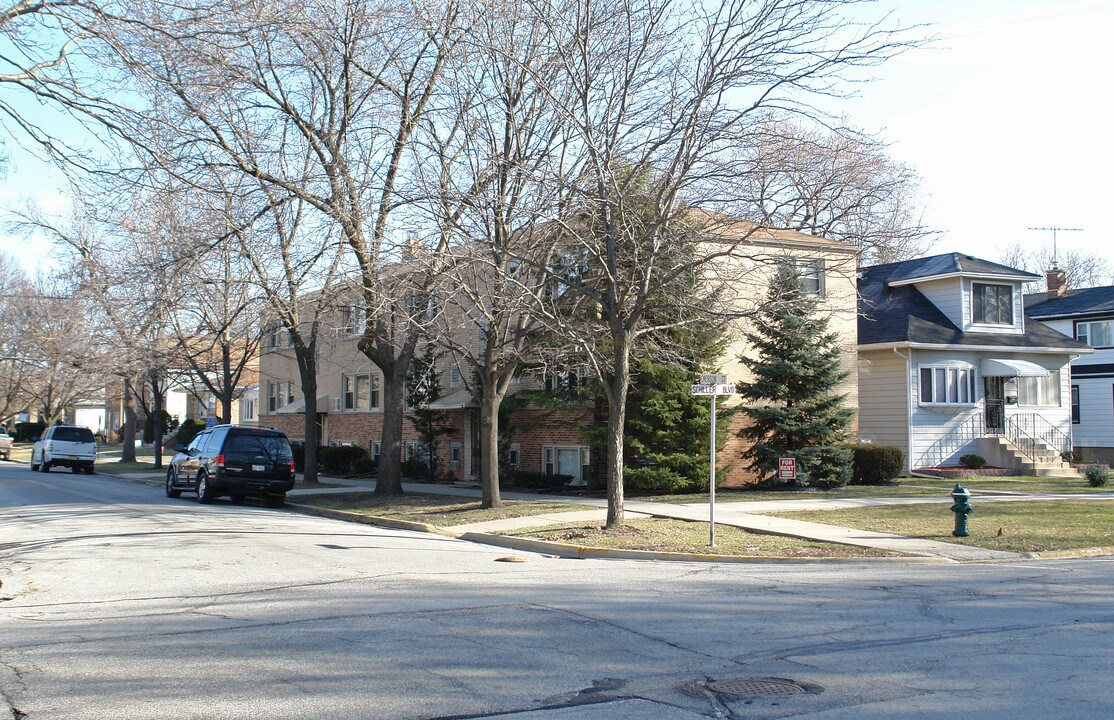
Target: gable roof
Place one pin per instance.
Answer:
(1073, 303)
(950, 265)
(900, 314)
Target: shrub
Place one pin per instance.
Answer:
(188, 430)
(364, 466)
(415, 468)
(659, 480)
(973, 461)
(28, 431)
(1097, 475)
(533, 480)
(339, 459)
(1072, 456)
(875, 464)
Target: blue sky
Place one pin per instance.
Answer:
(1004, 117)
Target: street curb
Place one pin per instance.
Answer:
(567, 550)
(1073, 553)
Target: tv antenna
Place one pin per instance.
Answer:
(1055, 230)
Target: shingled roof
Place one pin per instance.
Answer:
(901, 314)
(1073, 303)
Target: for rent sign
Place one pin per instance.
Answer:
(787, 468)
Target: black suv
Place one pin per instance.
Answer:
(233, 461)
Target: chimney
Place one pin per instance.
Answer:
(1057, 281)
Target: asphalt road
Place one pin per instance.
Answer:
(120, 603)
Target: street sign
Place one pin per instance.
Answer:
(787, 468)
(713, 379)
(713, 389)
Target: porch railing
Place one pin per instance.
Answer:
(946, 446)
(1036, 438)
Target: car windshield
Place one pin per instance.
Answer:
(73, 434)
(275, 448)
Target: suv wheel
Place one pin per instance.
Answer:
(171, 491)
(205, 494)
(34, 465)
(44, 466)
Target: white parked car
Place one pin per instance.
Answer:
(5, 444)
(66, 446)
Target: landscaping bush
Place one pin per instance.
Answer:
(415, 468)
(339, 459)
(659, 480)
(365, 466)
(188, 430)
(533, 480)
(1097, 475)
(28, 431)
(973, 461)
(875, 464)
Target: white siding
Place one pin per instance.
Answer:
(1096, 413)
(948, 296)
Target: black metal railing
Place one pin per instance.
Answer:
(1037, 438)
(966, 432)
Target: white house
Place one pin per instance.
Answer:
(1086, 314)
(949, 364)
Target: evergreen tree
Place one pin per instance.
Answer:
(797, 412)
(423, 388)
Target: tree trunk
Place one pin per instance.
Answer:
(617, 387)
(490, 400)
(157, 402)
(389, 482)
(227, 388)
(127, 449)
(307, 369)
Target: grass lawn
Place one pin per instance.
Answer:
(440, 510)
(118, 466)
(1037, 526)
(691, 537)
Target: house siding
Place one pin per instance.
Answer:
(949, 296)
(884, 399)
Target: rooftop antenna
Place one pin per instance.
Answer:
(1054, 230)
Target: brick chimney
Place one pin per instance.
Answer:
(1057, 281)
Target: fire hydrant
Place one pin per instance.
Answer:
(962, 509)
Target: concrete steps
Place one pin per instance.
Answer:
(1000, 451)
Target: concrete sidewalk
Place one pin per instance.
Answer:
(745, 515)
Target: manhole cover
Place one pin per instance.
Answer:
(755, 687)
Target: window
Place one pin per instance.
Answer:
(811, 273)
(514, 456)
(571, 460)
(279, 394)
(360, 392)
(375, 452)
(1099, 333)
(456, 452)
(279, 337)
(454, 375)
(947, 385)
(1039, 391)
(417, 451)
(992, 304)
(248, 408)
(353, 319)
(564, 380)
(1075, 414)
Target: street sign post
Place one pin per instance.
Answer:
(713, 385)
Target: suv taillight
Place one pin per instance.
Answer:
(218, 461)
(291, 464)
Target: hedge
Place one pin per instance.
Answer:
(875, 464)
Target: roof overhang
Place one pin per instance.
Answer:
(456, 401)
(1009, 367)
(996, 349)
(300, 406)
(974, 276)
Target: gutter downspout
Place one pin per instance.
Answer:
(908, 410)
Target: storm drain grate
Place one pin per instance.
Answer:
(757, 687)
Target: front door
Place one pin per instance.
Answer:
(995, 399)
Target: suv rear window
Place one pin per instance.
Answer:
(274, 447)
(72, 434)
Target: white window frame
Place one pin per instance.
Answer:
(279, 394)
(514, 456)
(1085, 332)
(811, 273)
(349, 391)
(549, 458)
(248, 408)
(949, 385)
(976, 320)
(456, 454)
(1040, 391)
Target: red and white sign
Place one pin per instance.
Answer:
(787, 468)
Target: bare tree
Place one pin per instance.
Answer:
(838, 184)
(1082, 269)
(664, 94)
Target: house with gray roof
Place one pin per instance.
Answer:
(950, 364)
(1087, 314)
